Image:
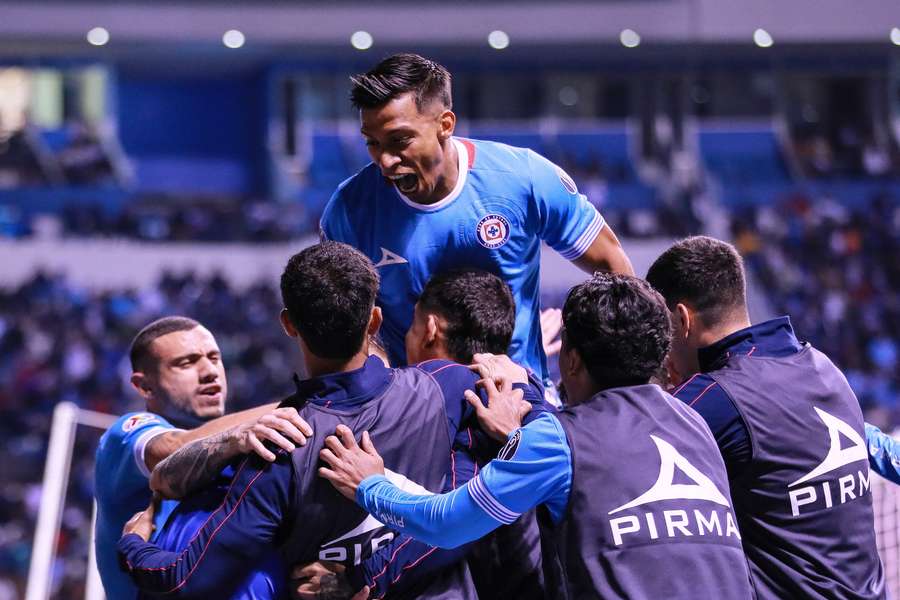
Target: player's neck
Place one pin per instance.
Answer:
(449, 175)
(710, 335)
(317, 367)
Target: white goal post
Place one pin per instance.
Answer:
(66, 417)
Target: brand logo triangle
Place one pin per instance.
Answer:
(390, 258)
(837, 456)
(665, 488)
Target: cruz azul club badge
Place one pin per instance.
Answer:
(492, 231)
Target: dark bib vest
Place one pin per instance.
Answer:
(408, 425)
(649, 515)
(803, 504)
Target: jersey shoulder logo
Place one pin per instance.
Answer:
(837, 456)
(138, 420)
(701, 488)
(390, 258)
(492, 231)
(567, 181)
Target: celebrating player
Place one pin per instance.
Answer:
(430, 202)
(178, 370)
(632, 482)
(787, 423)
(329, 292)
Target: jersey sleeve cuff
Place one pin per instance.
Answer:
(367, 484)
(486, 501)
(140, 448)
(585, 240)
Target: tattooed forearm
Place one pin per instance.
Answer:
(193, 466)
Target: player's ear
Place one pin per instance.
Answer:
(447, 124)
(682, 321)
(432, 331)
(287, 325)
(574, 364)
(141, 384)
(375, 320)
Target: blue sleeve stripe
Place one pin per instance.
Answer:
(585, 240)
(483, 498)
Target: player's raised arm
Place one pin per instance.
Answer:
(570, 224)
(198, 463)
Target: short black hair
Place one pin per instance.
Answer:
(399, 74)
(329, 290)
(705, 273)
(619, 326)
(479, 310)
(140, 345)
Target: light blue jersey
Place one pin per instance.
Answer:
(534, 467)
(122, 489)
(505, 202)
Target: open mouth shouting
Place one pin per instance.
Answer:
(405, 182)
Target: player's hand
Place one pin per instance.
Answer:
(142, 522)
(323, 581)
(498, 367)
(283, 426)
(505, 409)
(551, 325)
(350, 462)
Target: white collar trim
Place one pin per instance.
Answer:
(463, 156)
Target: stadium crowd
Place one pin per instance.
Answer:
(832, 268)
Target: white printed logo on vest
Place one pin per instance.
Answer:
(672, 523)
(363, 540)
(847, 487)
(390, 258)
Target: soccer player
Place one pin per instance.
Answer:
(787, 423)
(177, 369)
(430, 202)
(466, 316)
(329, 293)
(632, 486)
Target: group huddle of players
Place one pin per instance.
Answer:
(685, 453)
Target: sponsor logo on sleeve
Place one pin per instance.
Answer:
(492, 231)
(138, 420)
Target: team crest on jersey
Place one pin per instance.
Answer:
(567, 181)
(492, 231)
(138, 420)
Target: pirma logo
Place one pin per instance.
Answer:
(672, 523)
(848, 487)
(492, 231)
